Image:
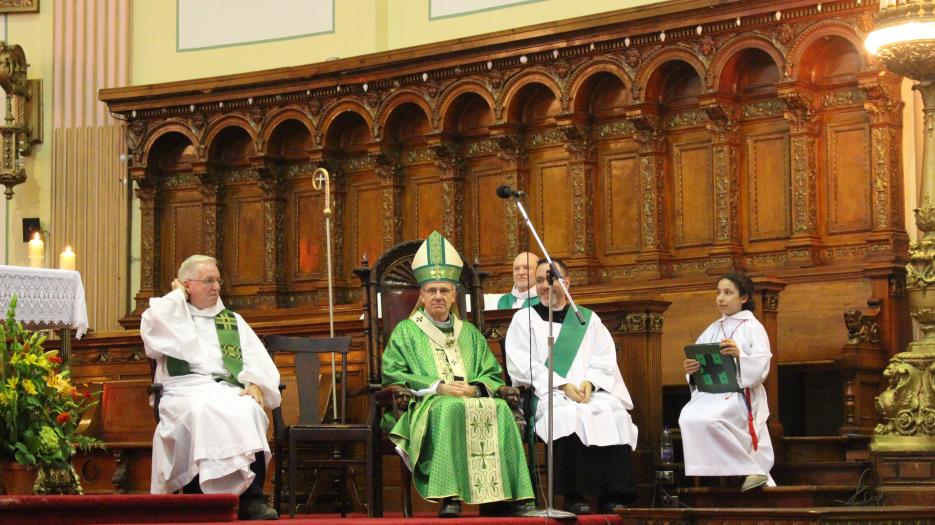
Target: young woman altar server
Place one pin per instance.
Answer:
(725, 434)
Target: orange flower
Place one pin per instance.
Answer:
(63, 418)
(55, 359)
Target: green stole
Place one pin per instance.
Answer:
(506, 302)
(229, 338)
(566, 348)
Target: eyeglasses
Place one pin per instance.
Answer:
(438, 291)
(209, 282)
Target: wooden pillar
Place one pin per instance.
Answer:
(861, 363)
(212, 197)
(638, 334)
(580, 148)
(803, 247)
(513, 157)
(390, 170)
(271, 293)
(766, 292)
(450, 166)
(149, 192)
(722, 123)
(654, 258)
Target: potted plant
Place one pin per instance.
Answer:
(40, 410)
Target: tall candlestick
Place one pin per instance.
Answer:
(36, 251)
(66, 260)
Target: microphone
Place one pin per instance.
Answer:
(505, 192)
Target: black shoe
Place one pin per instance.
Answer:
(256, 508)
(613, 507)
(577, 505)
(520, 508)
(451, 508)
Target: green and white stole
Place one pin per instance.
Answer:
(506, 302)
(229, 338)
(482, 437)
(569, 340)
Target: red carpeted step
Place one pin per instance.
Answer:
(356, 519)
(117, 508)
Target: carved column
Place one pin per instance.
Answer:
(723, 126)
(450, 165)
(766, 292)
(638, 334)
(581, 163)
(513, 156)
(212, 197)
(888, 241)
(149, 192)
(272, 290)
(861, 364)
(803, 247)
(389, 168)
(654, 258)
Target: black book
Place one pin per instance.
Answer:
(718, 373)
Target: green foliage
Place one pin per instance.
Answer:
(39, 407)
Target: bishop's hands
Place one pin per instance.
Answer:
(457, 389)
(578, 394)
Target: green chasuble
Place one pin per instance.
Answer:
(506, 302)
(466, 448)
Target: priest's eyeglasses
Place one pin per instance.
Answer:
(209, 282)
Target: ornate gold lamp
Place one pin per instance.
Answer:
(904, 40)
(21, 126)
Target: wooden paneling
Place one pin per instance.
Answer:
(693, 187)
(422, 202)
(245, 233)
(621, 198)
(767, 179)
(550, 193)
(488, 216)
(181, 230)
(304, 211)
(848, 177)
(365, 205)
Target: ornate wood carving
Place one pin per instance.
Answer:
(271, 183)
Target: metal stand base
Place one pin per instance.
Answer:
(550, 513)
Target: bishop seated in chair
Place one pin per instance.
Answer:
(217, 378)
(460, 443)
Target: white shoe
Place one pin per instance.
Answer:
(754, 481)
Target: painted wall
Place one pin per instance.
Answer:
(360, 27)
(32, 31)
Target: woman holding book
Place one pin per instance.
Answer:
(725, 434)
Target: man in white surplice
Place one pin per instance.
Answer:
(593, 432)
(217, 378)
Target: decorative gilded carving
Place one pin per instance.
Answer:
(271, 182)
(844, 97)
(763, 108)
(212, 190)
(861, 328)
(881, 139)
(547, 137)
(640, 322)
(907, 403)
(511, 152)
(686, 119)
(450, 164)
(387, 166)
(632, 57)
(478, 148)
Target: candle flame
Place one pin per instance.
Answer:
(35, 236)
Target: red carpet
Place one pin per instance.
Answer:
(117, 508)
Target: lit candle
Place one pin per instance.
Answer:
(66, 260)
(36, 251)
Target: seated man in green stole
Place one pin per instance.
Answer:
(523, 293)
(460, 443)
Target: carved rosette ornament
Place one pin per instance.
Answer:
(904, 40)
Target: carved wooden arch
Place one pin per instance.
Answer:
(340, 106)
(454, 91)
(586, 71)
(280, 115)
(804, 40)
(516, 83)
(172, 125)
(232, 120)
(402, 97)
(737, 45)
(660, 57)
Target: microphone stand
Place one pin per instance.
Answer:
(550, 511)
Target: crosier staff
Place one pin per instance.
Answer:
(321, 179)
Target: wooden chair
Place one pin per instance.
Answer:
(390, 291)
(293, 440)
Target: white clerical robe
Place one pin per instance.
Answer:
(605, 419)
(716, 437)
(492, 300)
(206, 427)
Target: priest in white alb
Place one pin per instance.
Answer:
(217, 380)
(593, 432)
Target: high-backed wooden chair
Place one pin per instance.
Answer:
(390, 293)
(309, 431)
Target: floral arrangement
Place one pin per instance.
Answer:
(40, 410)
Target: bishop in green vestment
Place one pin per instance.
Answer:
(460, 442)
